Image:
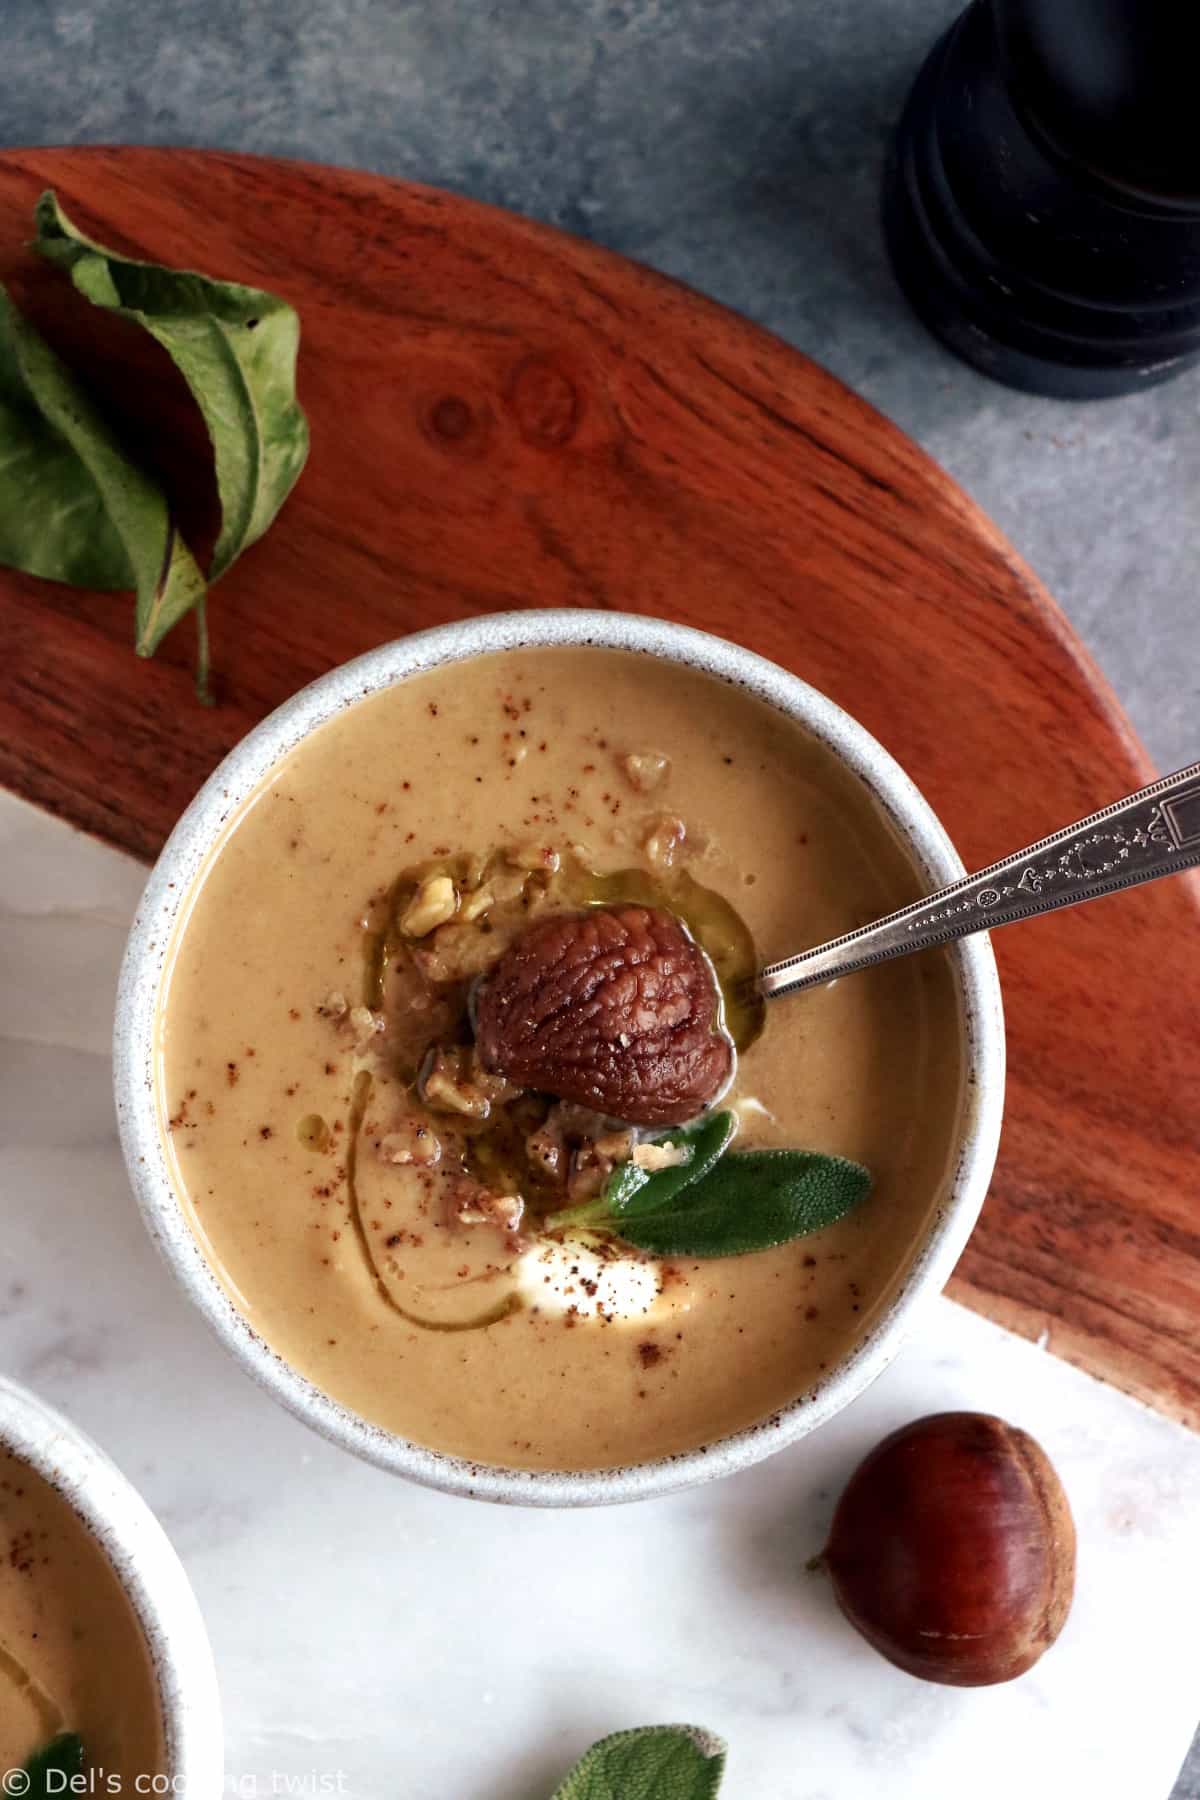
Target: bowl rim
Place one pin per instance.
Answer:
(148, 1569)
(169, 890)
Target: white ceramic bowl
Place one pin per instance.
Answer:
(147, 1568)
(167, 892)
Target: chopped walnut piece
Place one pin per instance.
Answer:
(660, 1156)
(594, 1161)
(664, 839)
(577, 1145)
(413, 1143)
(454, 1082)
(588, 1174)
(482, 1207)
(546, 1150)
(473, 906)
(435, 901)
(456, 952)
(646, 770)
(444, 1087)
(533, 857)
(365, 1025)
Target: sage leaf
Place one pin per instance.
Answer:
(236, 348)
(705, 1141)
(50, 1768)
(73, 507)
(654, 1762)
(751, 1200)
(626, 1180)
(53, 521)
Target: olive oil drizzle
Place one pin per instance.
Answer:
(360, 1099)
(47, 1708)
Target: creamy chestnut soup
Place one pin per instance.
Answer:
(374, 1197)
(72, 1656)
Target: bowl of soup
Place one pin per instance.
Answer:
(106, 1677)
(335, 996)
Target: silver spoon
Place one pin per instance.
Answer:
(1151, 833)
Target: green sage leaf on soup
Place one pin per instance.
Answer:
(50, 1768)
(73, 507)
(236, 348)
(654, 1762)
(751, 1200)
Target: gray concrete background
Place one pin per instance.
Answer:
(735, 144)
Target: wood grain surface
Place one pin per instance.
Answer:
(503, 416)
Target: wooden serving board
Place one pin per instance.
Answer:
(503, 416)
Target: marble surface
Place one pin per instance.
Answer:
(735, 144)
(388, 1641)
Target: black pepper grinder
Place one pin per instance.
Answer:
(1042, 200)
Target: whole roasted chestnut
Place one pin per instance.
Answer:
(616, 1009)
(953, 1550)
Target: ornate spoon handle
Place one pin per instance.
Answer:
(1151, 833)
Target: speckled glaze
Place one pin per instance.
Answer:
(167, 892)
(147, 1568)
